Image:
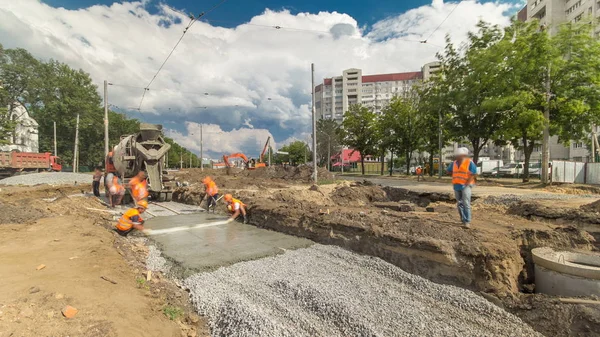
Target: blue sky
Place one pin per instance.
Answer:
(258, 77)
(239, 11)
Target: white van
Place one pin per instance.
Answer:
(486, 167)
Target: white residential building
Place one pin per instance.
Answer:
(335, 95)
(554, 12)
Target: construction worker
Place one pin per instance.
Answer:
(116, 191)
(463, 171)
(419, 172)
(132, 219)
(139, 186)
(109, 171)
(236, 207)
(212, 193)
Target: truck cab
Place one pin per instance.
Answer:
(55, 164)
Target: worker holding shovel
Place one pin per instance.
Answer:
(212, 193)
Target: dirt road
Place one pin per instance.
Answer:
(54, 254)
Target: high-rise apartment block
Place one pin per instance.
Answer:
(335, 95)
(554, 12)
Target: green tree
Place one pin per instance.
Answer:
(405, 125)
(359, 131)
(471, 75)
(328, 142)
(299, 152)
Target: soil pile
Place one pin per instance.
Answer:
(358, 195)
(592, 207)
(12, 214)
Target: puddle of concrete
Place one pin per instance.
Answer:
(208, 248)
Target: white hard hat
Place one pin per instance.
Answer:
(462, 151)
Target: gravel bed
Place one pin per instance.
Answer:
(509, 199)
(328, 291)
(155, 261)
(50, 178)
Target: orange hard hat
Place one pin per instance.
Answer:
(143, 204)
(228, 197)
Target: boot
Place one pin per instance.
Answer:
(245, 219)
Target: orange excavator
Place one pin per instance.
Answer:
(249, 164)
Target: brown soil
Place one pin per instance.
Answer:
(493, 257)
(77, 250)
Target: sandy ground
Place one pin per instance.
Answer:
(76, 250)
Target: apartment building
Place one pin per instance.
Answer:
(335, 95)
(554, 12)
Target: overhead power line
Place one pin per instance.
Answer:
(192, 21)
(440, 25)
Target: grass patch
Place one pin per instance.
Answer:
(142, 283)
(327, 181)
(172, 312)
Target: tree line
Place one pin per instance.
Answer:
(52, 91)
(492, 89)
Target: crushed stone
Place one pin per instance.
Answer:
(50, 178)
(155, 261)
(328, 291)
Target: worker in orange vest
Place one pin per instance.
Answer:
(419, 172)
(236, 207)
(132, 219)
(212, 193)
(116, 191)
(139, 186)
(463, 171)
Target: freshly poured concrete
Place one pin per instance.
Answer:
(216, 245)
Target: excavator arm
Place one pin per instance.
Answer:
(262, 154)
(235, 155)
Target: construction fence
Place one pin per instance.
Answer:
(575, 172)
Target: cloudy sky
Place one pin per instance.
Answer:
(233, 72)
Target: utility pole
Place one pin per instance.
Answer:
(342, 156)
(546, 136)
(329, 153)
(191, 154)
(76, 149)
(55, 151)
(181, 160)
(201, 151)
(440, 159)
(314, 123)
(106, 150)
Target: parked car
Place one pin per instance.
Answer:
(510, 170)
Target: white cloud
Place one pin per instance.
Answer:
(216, 141)
(247, 123)
(251, 73)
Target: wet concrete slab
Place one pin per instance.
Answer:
(214, 244)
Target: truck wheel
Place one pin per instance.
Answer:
(168, 196)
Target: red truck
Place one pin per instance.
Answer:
(15, 162)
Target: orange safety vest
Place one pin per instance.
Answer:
(419, 171)
(211, 188)
(125, 223)
(116, 182)
(140, 191)
(236, 201)
(461, 174)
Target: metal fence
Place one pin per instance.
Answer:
(575, 172)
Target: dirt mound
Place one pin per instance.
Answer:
(301, 173)
(358, 194)
(592, 207)
(12, 214)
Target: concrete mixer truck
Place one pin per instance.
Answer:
(144, 151)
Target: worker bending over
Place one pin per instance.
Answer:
(139, 187)
(236, 207)
(212, 193)
(132, 219)
(116, 191)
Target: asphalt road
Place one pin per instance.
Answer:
(435, 187)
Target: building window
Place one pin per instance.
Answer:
(578, 145)
(573, 8)
(351, 90)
